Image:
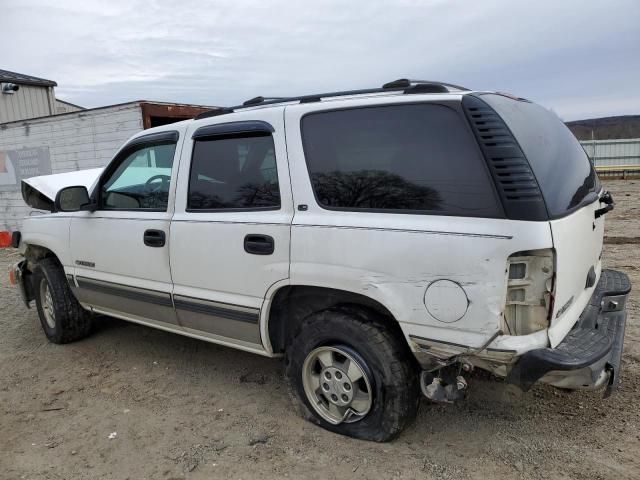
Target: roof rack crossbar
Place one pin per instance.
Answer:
(403, 84)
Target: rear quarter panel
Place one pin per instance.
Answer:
(393, 258)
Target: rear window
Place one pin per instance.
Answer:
(401, 158)
(560, 164)
(234, 173)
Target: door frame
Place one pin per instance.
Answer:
(240, 317)
(131, 297)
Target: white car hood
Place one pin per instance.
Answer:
(40, 192)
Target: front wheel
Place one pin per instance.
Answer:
(63, 319)
(352, 375)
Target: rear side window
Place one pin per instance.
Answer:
(561, 166)
(400, 158)
(234, 173)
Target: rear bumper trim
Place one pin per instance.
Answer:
(617, 330)
(595, 342)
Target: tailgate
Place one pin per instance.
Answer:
(577, 239)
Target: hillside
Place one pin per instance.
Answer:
(606, 128)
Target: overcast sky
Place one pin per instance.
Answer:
(580, 58)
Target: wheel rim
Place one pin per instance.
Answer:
(337, 383)
(47, 304)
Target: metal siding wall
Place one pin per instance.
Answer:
(62, 107)
(76, 141)
(28, 102)
(610, 153)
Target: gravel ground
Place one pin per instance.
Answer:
(133, 402)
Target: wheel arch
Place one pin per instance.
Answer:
(34, 252)
(291, 304)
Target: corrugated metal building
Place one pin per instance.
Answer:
(608, 154)
(23, 96)
(72, 141)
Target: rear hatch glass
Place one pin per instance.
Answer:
(561, 166)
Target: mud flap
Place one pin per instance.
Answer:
(23, 280)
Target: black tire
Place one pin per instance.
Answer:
(71, 321)
(394, 374)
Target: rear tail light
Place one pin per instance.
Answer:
(530, 285)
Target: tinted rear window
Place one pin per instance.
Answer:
(234, 173)
(560, 164)
(399, 158)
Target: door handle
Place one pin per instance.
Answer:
(259, 244)
(154, 238)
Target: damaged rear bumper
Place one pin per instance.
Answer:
(590, 355)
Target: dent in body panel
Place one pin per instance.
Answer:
(51, 232)
(395, 269)
(401, 288)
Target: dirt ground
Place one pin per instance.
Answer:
(137, 403)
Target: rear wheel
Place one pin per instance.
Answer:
(351, 375)
(337, 383)
(62, 318)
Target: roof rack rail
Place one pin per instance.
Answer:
(403, 84)
(213, 113)
(406, 83)
(259, 100)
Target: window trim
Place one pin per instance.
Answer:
(225, 135)
(169, 137)
(258, 127)
(454, 105)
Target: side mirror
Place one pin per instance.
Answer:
(72, 199)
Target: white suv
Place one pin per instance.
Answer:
(385, 241)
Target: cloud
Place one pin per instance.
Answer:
(579, 59)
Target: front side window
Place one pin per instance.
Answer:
(236, 172)
(141, 180)
(417, 158)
